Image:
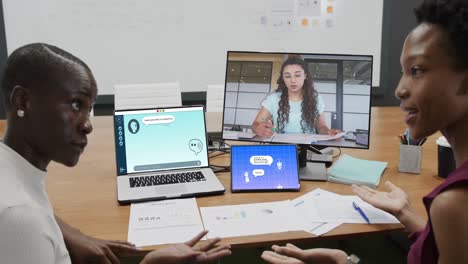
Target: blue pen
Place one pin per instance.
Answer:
(357, 208)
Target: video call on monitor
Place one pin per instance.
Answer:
(342, 84)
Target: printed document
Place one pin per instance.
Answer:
(163, 222)
(249, 219)
(303, 205)
(340, 209)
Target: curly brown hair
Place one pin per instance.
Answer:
(309, 101)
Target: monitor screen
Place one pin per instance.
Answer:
(298, 98)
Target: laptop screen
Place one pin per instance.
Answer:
(160, 139)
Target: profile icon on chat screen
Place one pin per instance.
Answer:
(133, 126)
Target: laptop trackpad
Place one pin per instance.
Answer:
(170, 189)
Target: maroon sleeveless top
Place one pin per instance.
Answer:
(424, 249)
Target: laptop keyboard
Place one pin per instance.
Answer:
(162, 179)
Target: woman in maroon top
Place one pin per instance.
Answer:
(434, 93)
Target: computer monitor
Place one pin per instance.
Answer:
(313, 100)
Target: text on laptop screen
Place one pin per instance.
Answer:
(160, 139)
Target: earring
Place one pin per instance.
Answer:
(20, 113)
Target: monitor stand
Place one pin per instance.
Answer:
(311, 171)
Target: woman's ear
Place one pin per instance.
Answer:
(20, 99)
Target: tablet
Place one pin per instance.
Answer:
(264, 168)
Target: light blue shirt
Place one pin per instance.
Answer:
(271, 103)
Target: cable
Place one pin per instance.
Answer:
(223, 152)
(314, 149)
(339, 149)
(219, 168)
(223, 149)
(222, 146)
(338, 153)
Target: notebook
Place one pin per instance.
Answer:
(162, 153)
(264, 168)
(349, 170)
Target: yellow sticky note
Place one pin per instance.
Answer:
(304, 22)
(329, 9)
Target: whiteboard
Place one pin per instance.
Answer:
(148, 41)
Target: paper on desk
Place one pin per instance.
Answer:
(319, 229)
(340, 210)
(293, 138)
(163, 222)
(247, 135)
(318, 137)
(304, 206)
(249, 219)
(304, 138)
(230, 134)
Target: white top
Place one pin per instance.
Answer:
(28, 230)
(271, 103)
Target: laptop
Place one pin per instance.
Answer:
(162, 153)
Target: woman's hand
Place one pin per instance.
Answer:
(392, 202)
(291, 254)
(332, 131)
(189, 252)
(395, 202)
(263, 124)
(263, 128)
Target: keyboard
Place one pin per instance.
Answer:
(172, 178)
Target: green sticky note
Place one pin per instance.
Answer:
(351, 170)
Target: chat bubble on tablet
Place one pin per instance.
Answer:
(258, 172)
(158, 120)
(261, 160)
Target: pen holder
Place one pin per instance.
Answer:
(410, 158)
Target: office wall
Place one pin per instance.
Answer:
(162, 41)
(398, 20)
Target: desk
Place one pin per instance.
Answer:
(85, 196)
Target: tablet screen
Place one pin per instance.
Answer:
(264, 167)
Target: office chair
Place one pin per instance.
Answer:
(215, 98)
(148, 95)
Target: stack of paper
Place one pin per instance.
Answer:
(349, 170)
(317, 212)
(305, 209)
